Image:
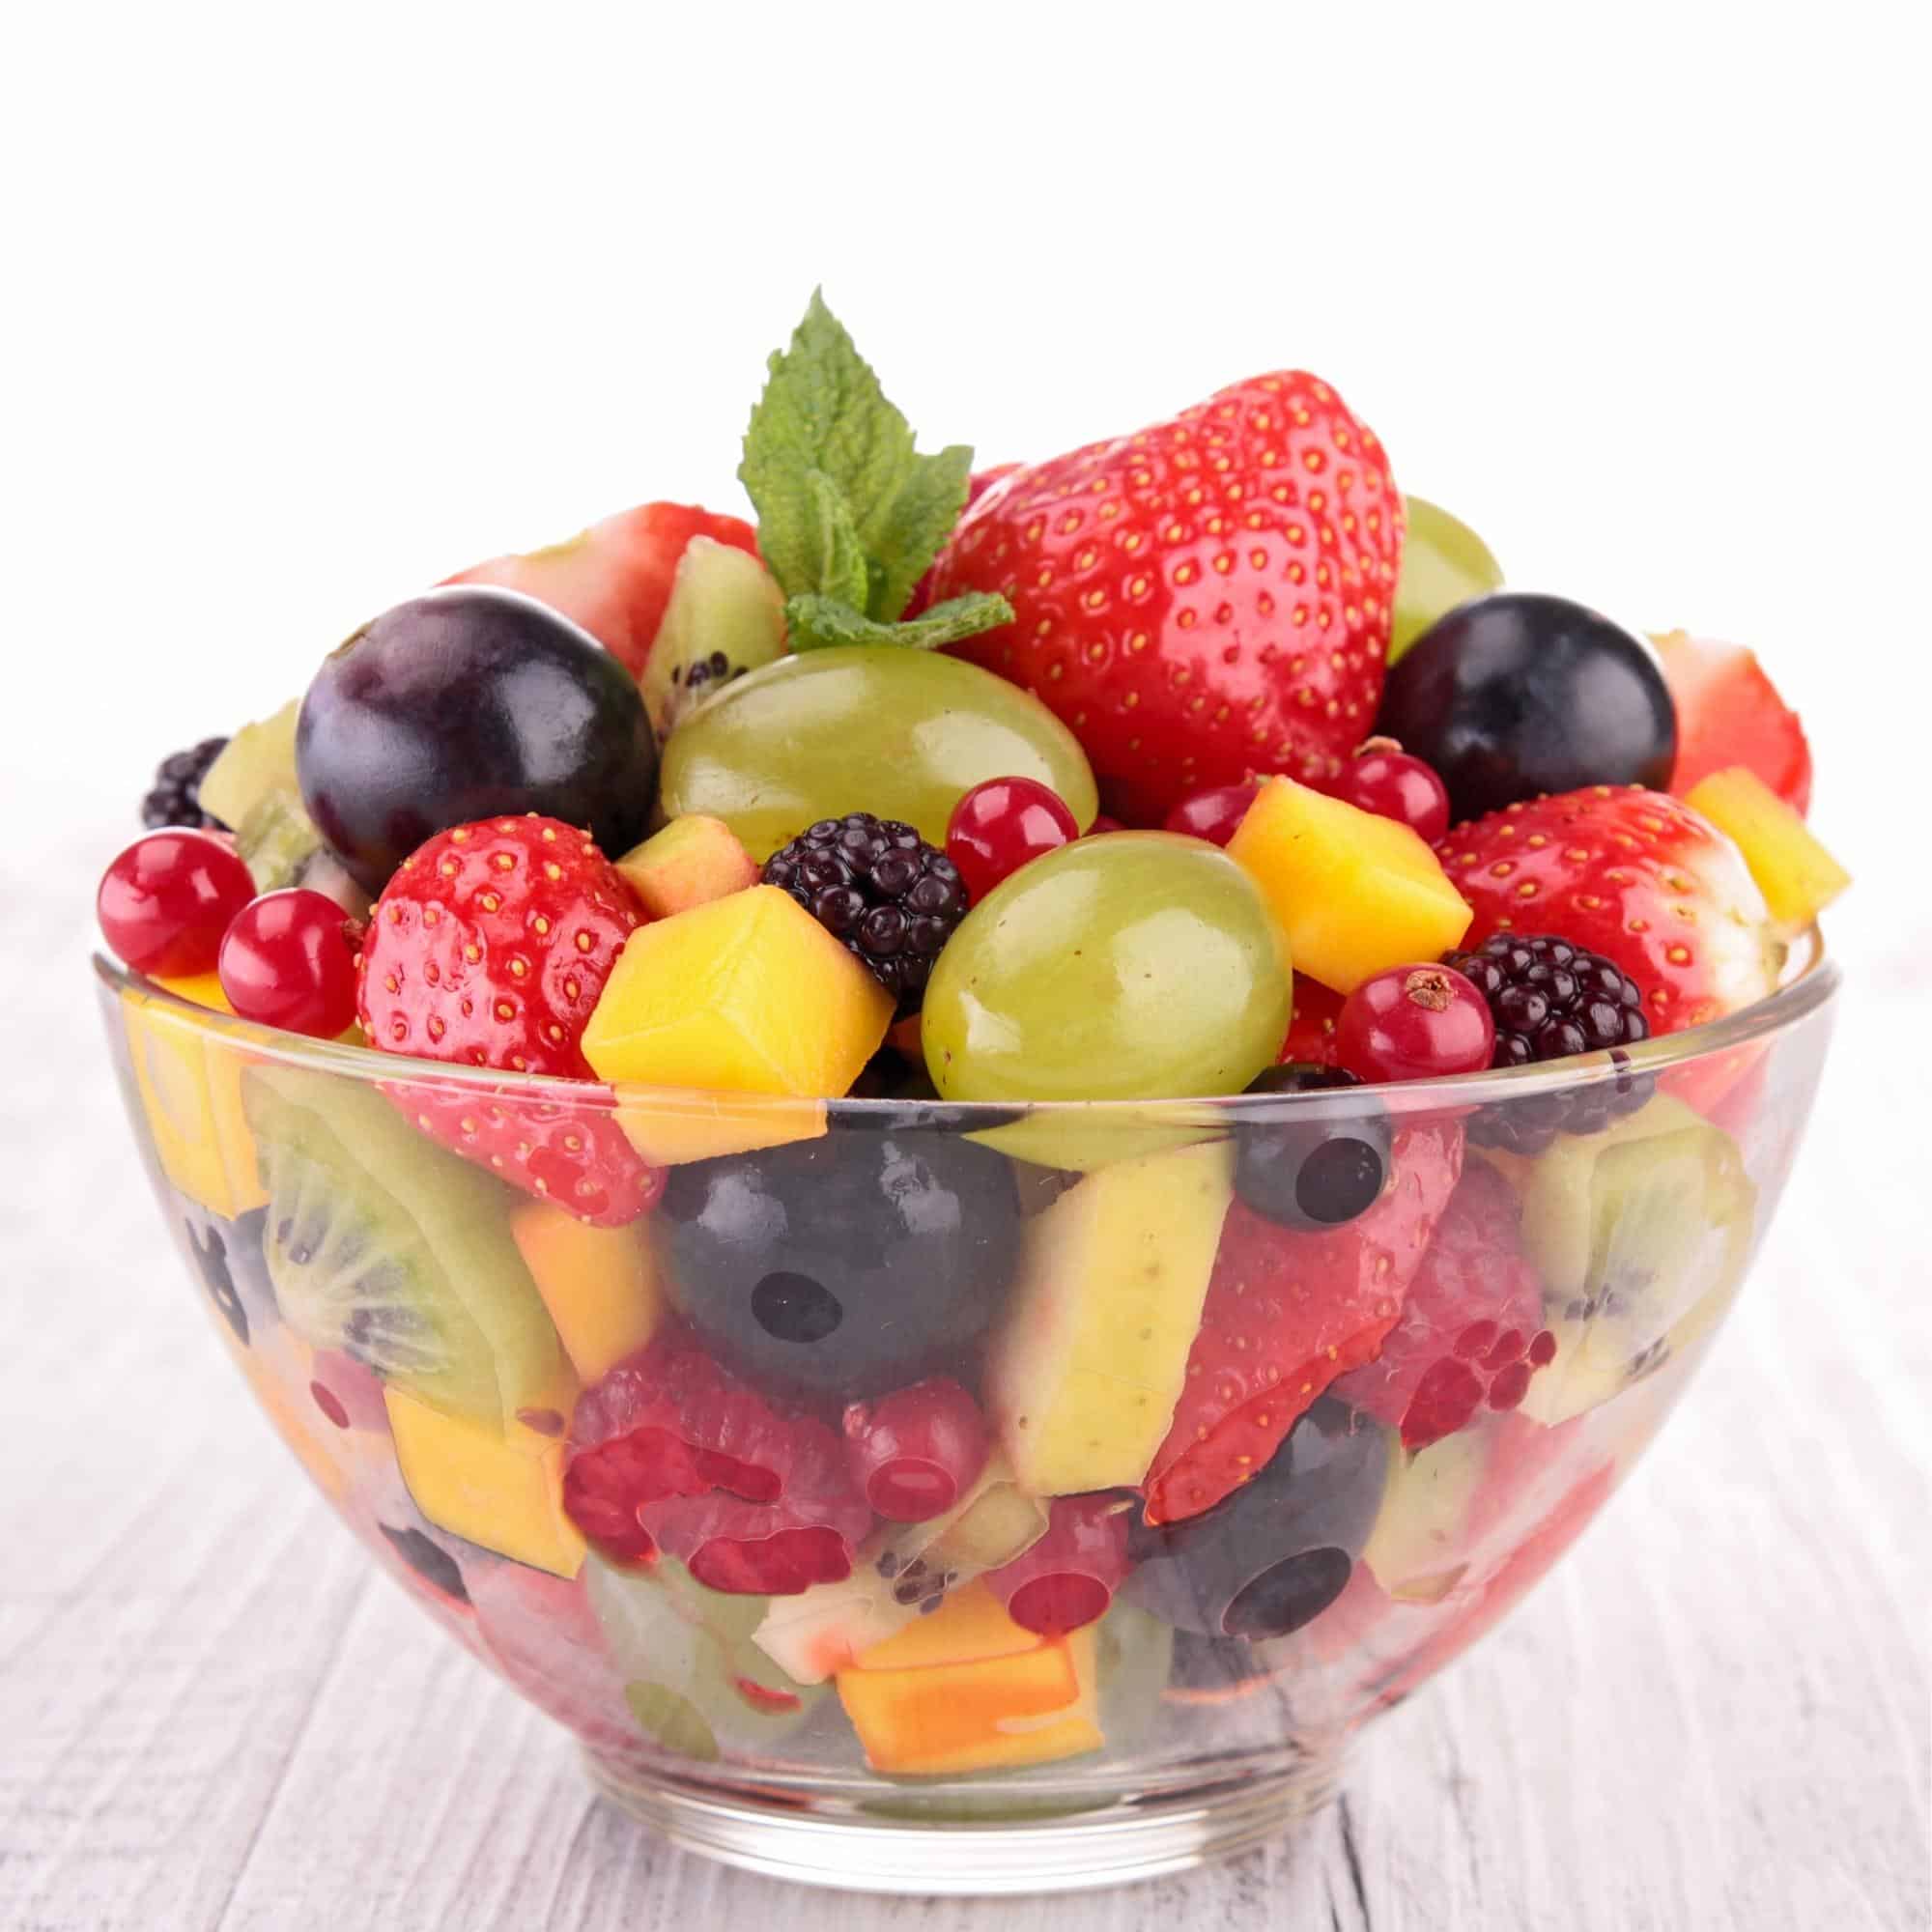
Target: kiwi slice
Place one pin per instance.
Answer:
(260, 758)
(380, 1244)
(1638, 1231)
(725, 616)
(692, 1675)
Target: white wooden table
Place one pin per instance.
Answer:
(214, 1713)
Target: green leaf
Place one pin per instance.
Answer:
(817, 623)
(824, 428)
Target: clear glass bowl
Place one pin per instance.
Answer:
(420, 1333)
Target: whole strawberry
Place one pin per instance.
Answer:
(1208, 597)
(489, 948)
(1285, 1314)
(1635, 875)
(614, 578)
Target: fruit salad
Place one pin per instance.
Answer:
(992, 1120)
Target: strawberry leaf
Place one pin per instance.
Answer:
(817, 623)
(848, 511)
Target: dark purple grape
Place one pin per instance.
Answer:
(460, 704)
(1517, 694)
(1275, 1554)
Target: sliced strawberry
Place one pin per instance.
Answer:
(1311, 1031)
(1729, 713)
(1471, 1330)
(489, 948)
(1285, 1314)
(667, 1421)
(1208, 597)
(1635, 875)
(614, 578)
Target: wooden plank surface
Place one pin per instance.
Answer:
(214, 1715)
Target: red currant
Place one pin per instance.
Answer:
(165, 902)
(1102, 823)
(1002, 824)
(1414, 1023)
(916, 1451)
(1068, 1577)
(1384, 778)
(287, 960)
(1213, 814)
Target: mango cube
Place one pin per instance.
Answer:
(501, 1488)
(1355, 893)
(1796, 874)
(599, 1284)
(747, 993)
(189, 1081)
(670, 1128)
(691, 862)
(967, 1689)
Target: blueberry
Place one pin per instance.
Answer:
(846, 1266)
(1517, 694)
(461, 704)
(1306, 1169)
(1275, 1554)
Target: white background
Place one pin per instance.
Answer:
(308, 308)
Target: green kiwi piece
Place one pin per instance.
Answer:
(725, 616)
(690, 1666)
(1638, 1231)
(383, 1245)
(260, 758)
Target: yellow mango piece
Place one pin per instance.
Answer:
(747, 993)
(189, 1079)
(200, 989)
(1084, 1373)
(500, 1489)
(693, 861)
(599, 1284)
(667, 1129)
(1032, 1707)
(969, 1626)
(1355, 893)
(1796, 874)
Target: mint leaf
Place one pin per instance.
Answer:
(824, 425)
(817, 623)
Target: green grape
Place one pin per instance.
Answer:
(1140, 965)
(1444, 563)
(901, 733)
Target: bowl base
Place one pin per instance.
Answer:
(890, 1845)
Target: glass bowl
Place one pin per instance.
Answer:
(640, 1472)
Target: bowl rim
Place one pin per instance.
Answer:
(1812, 979)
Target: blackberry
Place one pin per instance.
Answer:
(1550, 999)
(176, 797)
(881, 891)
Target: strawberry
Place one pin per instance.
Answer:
(669, 1450)
(977, 486)
(489, 948)
(1204, 599)
(1729, 713)
(614, 578)
(1471, 1333)
(1634, 874)
(1285, 1314)
(1311, 1030)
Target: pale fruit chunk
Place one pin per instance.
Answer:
(901, 733)
(260, 758)
(691, 862)
(1796, 874)
(1084, 1374)
(749, 993)
(189, 1081)
(726, 618)
(500, 1488)
(1355, 893)
(1414, 1550)
(599, 1284)
(1638, 1232)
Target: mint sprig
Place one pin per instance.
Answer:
(851, 514)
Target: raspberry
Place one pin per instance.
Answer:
(889, 898)
(175, 798)
(1550, 999)
(770, 1505)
